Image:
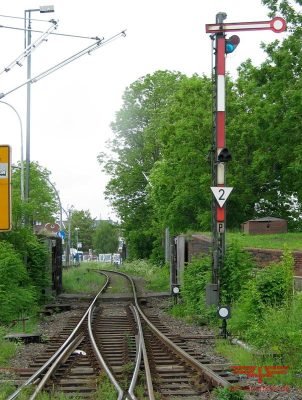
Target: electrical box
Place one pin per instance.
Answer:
(212, 295)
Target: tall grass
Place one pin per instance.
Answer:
(290, 240)
(7, 389)
(82, 279)
(7, 349)
(157, 278)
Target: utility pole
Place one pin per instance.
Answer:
(27, 43)
(69, 239)
(220, 153)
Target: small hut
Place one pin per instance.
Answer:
(266, 225)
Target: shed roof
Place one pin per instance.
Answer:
(266, 219)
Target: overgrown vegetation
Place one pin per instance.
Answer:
(237, 270)
(267, 314)
(17, 292)
(162, 134)
(158, 159)
(192, 306)
(82, 279)
(264, 310)
(156, 278)
(7, 349)
(290, 240)
(227, 394)
(8, 389)
(105, 389)
(197, 275)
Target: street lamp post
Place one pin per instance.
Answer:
(27, 42)
(77, 237)
(21, 160)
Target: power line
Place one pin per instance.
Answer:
(52, 33)
(29, 49)
(87, 50)
(32, 19)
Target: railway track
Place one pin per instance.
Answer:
(125, 344)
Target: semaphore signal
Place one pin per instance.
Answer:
(220, 153)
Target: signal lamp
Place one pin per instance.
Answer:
(175, 289)
(231, 44)
(224, 312)
(224, 155)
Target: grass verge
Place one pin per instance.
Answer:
(157, 278)
(81, 280)
(237, 355)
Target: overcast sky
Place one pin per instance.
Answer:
(71, 109)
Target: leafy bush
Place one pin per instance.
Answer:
(275, 282)
(157, 278)
(38, 265)
(227, 394)
(279, 332)
(235, 273)
(193, 302)
(7, 348)
(17, 295)
(271, 287)
(196, 275)
(268, 316)
(36, 254)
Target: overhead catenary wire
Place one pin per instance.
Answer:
(87, 50)
(29, 49)
(14, 17)
(52, 33)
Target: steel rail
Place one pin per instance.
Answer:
(210, 376)
(38, 373)
(139, 351)
(101, 359)
(63, 356)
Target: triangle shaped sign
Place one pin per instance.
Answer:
(221, 194)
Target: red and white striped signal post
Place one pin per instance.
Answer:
(220, 153)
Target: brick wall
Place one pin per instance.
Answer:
(199, 244)
(266, 256)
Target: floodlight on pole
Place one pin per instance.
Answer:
(27, 43)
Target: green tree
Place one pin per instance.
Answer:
(181, 178)
(42, 205)
(85, 225)
(288, 9)
(135, 149)
(17, 294)
(106, 238)
(35, 255)
(264, 127)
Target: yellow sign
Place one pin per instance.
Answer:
(5, 188)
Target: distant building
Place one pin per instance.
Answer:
(266, 225)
